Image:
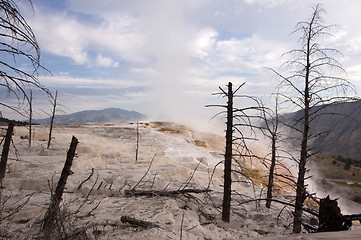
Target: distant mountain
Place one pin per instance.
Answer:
(95, 116)
(341, 127)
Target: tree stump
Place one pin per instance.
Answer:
(5, 152)
(52, 214)
(331, 218)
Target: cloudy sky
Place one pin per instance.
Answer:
(165, 58)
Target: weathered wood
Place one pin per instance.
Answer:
(181, 230)
(81, 184)
(310, 211)
(353, 217)
(226, 205)
(137, 222)
(271, 172)
(52, 214)
(331, 218)
(152, 193)
(52, 119)
(30, 116)
(5, 152)
(137, 146)
(145, 174)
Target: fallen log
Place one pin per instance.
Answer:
(162, 193)
(353, 217)
(138, 223)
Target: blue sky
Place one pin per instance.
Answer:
(165, 58)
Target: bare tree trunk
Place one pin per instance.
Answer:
(271, 120)
(5, 152)
(228, 158)
(30, 115)
(300, 190)
(137, 147)
(235, 145)
(52, 119)
(312, 64)
(271, 172)
(53, 210)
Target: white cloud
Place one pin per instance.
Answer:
(66, 80)
(249, 55)
(267, 3)
(192, 46)
(62, 36)
(204, 42)
(147, 71)
(354, 72)
(121, 37)
(353, 44)
(106, 62)
(65, 35)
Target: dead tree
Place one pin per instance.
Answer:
(56, 109)
(52, 118)
(30, 116)
(271, 172)
(271, 130)
(137, 146)
(237, 119)
(270, 127)
(5, 153)
(310, 85)
(52, 214)
(18, 44)
(226, 205)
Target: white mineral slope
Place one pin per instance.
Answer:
(100, 203)
(348, 235)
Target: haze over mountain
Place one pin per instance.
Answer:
(340, 125)
(96, 116)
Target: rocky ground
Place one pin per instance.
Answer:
(171, 158)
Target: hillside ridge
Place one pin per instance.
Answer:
(95, 116)
(340, 125)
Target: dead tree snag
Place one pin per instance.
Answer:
(239, 130)
(52, 118)
(312, 82)
(30, 116)
(226, 205)
(51, 215)
(5, 152)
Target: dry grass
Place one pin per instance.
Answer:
(200, 143)
(166, 127)
(334, 169)
(334, 175)
(169, 130)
